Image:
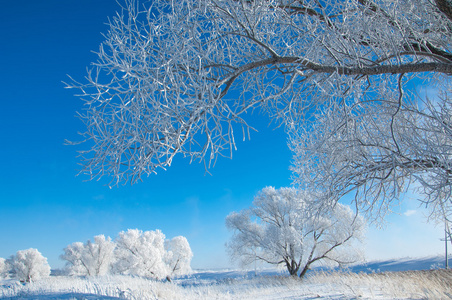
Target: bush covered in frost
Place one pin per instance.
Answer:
(29, 265)
(134, 252)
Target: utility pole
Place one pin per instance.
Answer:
(447, 238)
(445, 243)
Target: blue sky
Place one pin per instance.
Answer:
(44, 205)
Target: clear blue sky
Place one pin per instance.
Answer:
(44, 205)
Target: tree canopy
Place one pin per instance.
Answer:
(90, 258)
(284, 228)
(29, 265)
(178, 78)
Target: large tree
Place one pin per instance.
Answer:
(284, 228)
(179, 77)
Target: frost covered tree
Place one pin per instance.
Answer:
(90, 258)
(378, 150)
(182, 77)
(284, 228)
(4, 268)
(141, 253)
(179, 77)
(178, 256)
(29, 265)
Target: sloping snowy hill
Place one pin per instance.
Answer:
(401, 264)
(390, 265)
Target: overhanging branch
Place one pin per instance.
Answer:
(306, 65)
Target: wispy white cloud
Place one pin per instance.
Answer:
(409, 212)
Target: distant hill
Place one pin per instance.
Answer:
(401, 264)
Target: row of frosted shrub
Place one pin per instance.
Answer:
(134, 252)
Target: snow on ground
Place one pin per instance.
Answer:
(233, 284)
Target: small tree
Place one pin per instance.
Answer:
(141, 253)
(283, 228)
(29, 265)
(92, 258)
(4, 268)
(178, 256)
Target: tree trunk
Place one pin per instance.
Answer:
(305, 269)
(292, 267)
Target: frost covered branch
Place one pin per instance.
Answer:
(377, 150)
(180, 78)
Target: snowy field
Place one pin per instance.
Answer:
(428, 284)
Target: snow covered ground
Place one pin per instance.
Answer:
(269, 284)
